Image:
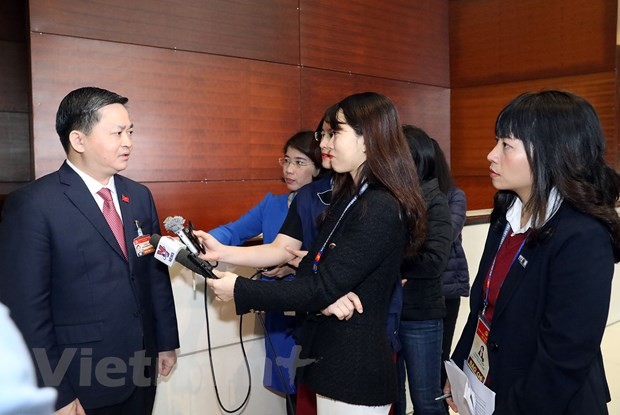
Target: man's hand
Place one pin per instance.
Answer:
(344, 307)
(73, 408)
(165, 362)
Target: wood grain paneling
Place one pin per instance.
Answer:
(14, 79)
(475, 109)
(616, 162)
(197, 116)
(265, 30)
(14, 20)
(512, 40)
(397, 39)
(14, 147)
(478, 189)
(210, 204)
(422, 105)
(15, 154)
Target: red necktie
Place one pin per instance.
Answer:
(111, 215)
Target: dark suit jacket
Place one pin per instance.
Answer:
(544, 343)
(78, 302)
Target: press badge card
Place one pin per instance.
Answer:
(142, 243)
(478, 359)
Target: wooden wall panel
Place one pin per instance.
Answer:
(265, 30)
(396, 39)
(14, 20)
(210, 204)
(197, 116)
(14, 80)
(478, 189)
(422, 105)
(15, 154)
(512, 40)
(215, 88)
(475, 109)
(616, 144)
(14, 147)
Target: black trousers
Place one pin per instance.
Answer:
(140, 402)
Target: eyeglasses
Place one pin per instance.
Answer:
(324, 135)
(285, 162)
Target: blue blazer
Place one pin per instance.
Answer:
(266, 218)
(81, 306)
(544, 342)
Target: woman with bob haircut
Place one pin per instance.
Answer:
(542, 293)
(376, 216)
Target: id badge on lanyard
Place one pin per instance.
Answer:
(142, 243)
(478, 359)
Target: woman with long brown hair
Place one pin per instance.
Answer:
(376, 216)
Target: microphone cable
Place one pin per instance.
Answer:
(289, 401)
(245, 358)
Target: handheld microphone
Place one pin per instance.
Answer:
(181, 255)
(176, 224)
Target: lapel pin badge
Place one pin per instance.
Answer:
(125, 198)
(522, 261)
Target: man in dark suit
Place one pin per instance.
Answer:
(99, 319)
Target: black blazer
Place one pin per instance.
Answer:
(349, 361)
(73, 294)
(544, 343)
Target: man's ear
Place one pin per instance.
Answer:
(76, 139)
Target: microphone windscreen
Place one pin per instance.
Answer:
(174, 223)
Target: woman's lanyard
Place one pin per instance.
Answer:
(487, 283)
(317, 258)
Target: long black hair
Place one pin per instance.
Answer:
(442, 169)
(422, 151)
(565, 147)
(429, 158)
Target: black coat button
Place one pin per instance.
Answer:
(494, 347)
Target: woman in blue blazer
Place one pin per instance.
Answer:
(544, 282)
(301, 164)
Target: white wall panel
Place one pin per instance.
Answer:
(189, 389)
